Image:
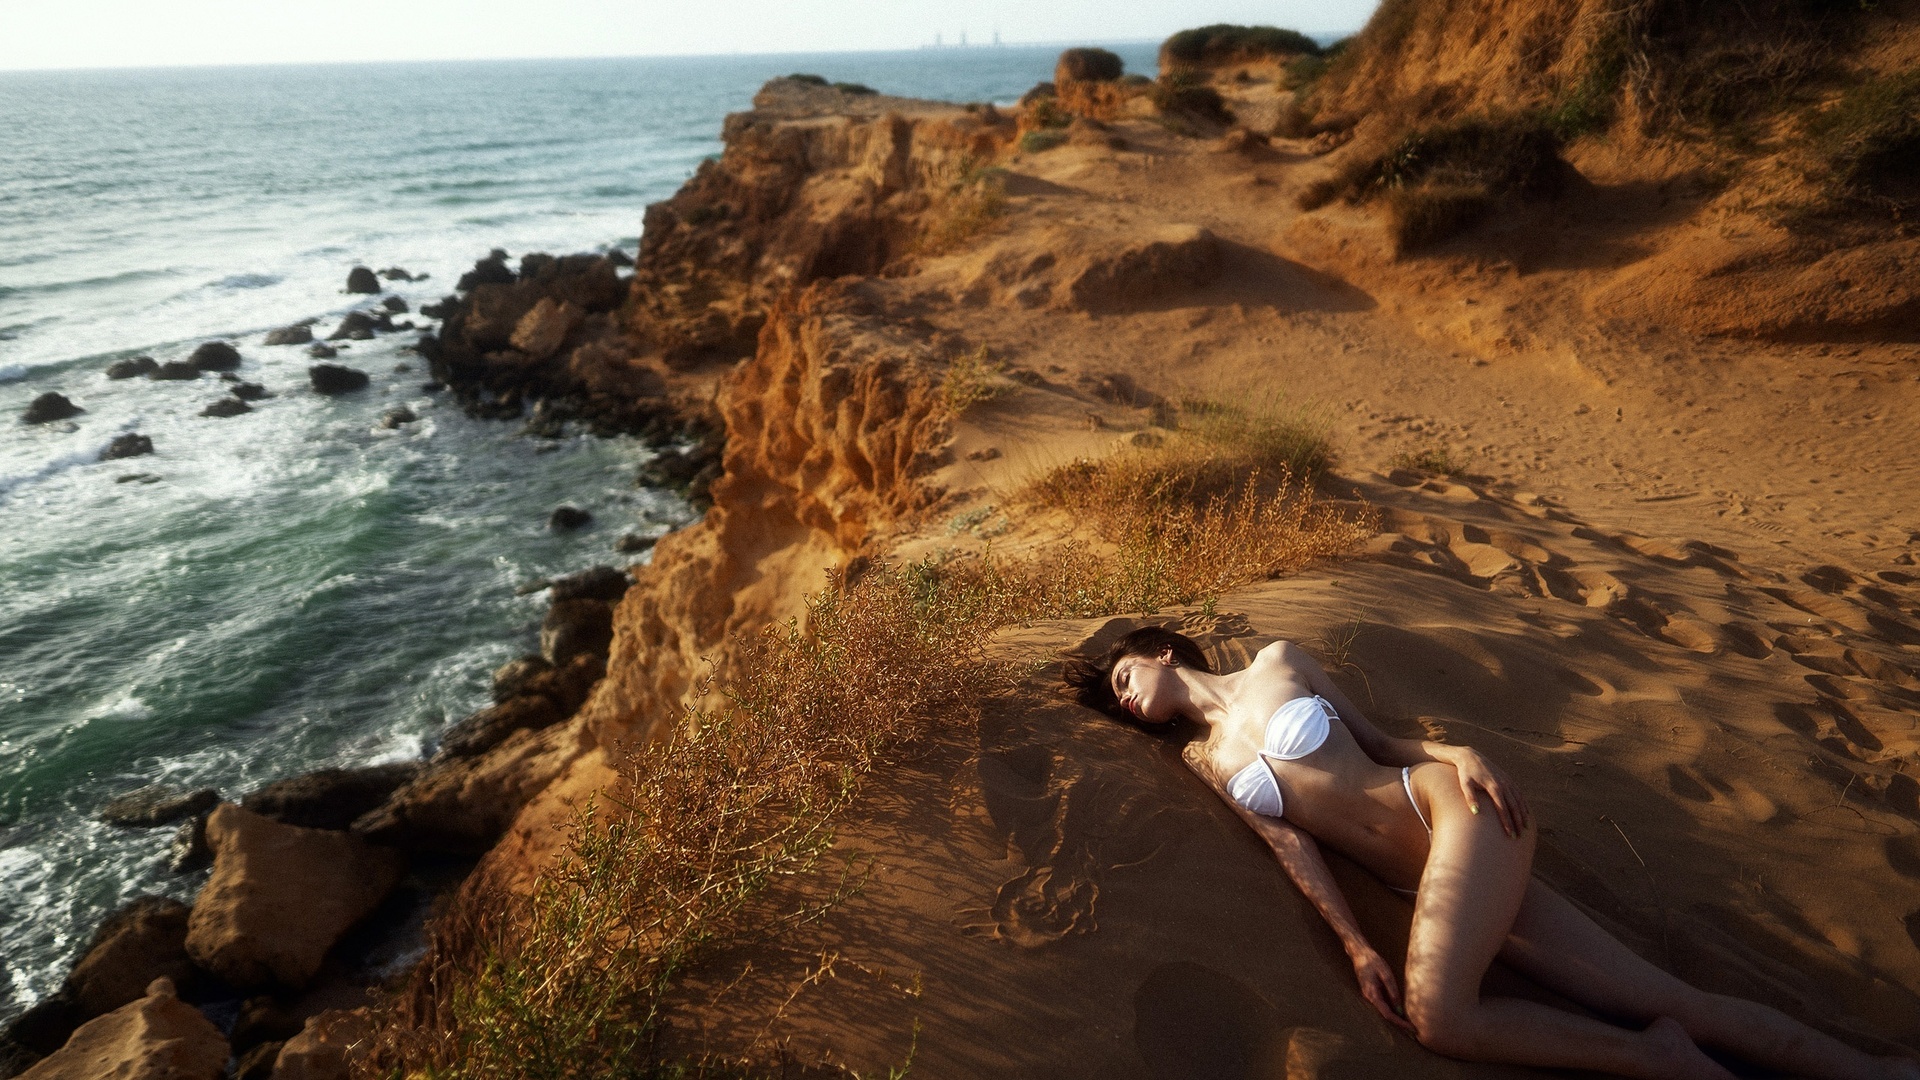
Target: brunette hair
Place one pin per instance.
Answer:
(1092, 681)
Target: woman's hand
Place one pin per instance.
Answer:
(1378, 985)
(1474, 772)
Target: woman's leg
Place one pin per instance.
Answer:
(1556, 945)
(1470, 893)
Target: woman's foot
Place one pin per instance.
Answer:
(1671, 1053)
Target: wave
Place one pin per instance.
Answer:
(14, 372)
(54, 467)
(55, 287)
(248, 281)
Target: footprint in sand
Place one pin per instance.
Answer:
(1743, 639)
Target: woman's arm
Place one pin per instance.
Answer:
(1472, 769)
(1300, 857)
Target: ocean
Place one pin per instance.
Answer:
(297, 587)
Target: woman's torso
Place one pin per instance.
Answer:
(1336, 793)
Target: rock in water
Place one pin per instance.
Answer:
(280, 897)
(357, 325)
(143, 941)
(393, 418)
(249, 391)
(394, 304)
(361, 279)
(334, 379)
(634, 543)
(215, 356)
(227, 406)
(125, 446)
(594, 583)
(176, 371)
(189, 851)
(298, 334)
(158, 1037)
(396, 273)
(489, 727)
(49, 407)
(512, 678)
(157, 804)
(574, 628)
(569, 517)
(328, 798)
(320, 351)
(127, 369)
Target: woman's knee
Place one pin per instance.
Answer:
(1442, 1027)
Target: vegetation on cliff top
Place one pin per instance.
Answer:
(574, 980)
(1224, 43)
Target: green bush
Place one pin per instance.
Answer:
(1033, 142)
(1224, 43)
(854, 88)
(1181, 93)
(810, 80)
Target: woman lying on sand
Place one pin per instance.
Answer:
(1442, 825)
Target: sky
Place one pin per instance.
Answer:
(168, 33)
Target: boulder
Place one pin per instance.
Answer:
(280, 896)
(634, 543)
(463, 805)
(265, 1019)
(215, 356)
(569, 517)
(298, 334)
(157, 804)
(542, 330)
(357, 325)
(490, 727)
(189, 851)
(492, 270)
(594, 583)
(394, 417)
(432, 386)
(158, 1037)
(49, 407)
(143, 941)
(395, 273)
(127, 369)
(227, 406)
(512, 678)
(361, 279)
(1088, 65)
(334, 379)
(328, 798)
(619, 258)
(327, 1048)
(257, 1063)
(395, 304)
(320, 350)
(126, 446)
(175, 371)
(249, 391)
(576, 627)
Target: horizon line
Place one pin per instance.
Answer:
(1064, 43)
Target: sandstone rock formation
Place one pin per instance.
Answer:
(157, 1037)
(157, 804)
(575, 628)
(328, 798)
(280, 896)
(326, 1048)
(462, 805)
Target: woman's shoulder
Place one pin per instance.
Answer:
(1281, 651)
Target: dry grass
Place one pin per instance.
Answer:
(1429, 459)
(573, 981)
(971, 379)
(969, 206)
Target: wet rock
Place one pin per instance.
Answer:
(356, 325)
(690, 472)
(334, 379)
(463, 805)
(568, 517)
(594, 583)
(189, 851)
(432, 387)
(158, 1037)
(175, 371)
(229, 377)
(227, 406)
(157, 804)
(127, 369)
(249, 391)
(327, 1048)
(126, 446)
(215, 356)
(619, 258)
(393, 418)
(280, 896)
(49, 407)
(361, 279)
(137, 478)
(395, 273)
(542, 330)
(492, 270)
(488, 728)
(322, 351)
(511, 678)
(634, 543)
(297, 334)
(328, 798)
(395, 304)
(576, 627)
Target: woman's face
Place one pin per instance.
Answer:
(1147, 687)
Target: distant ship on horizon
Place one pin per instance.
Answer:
(939, 42)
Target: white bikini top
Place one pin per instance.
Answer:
(1297, 728)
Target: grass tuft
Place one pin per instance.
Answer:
(972, 378)
(1868, 143)
(1429, 459)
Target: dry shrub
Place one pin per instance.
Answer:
(971, 379)
(1183, 95)
(966, 209)
(1224, 43)
(1867, 144)
(1423, 216)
